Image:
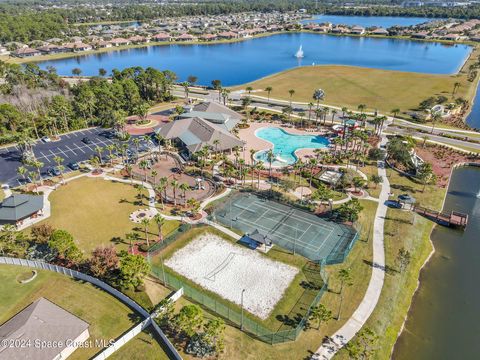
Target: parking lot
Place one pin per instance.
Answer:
(70, 147)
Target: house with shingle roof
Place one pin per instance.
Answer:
(46, 323)
(19, 207)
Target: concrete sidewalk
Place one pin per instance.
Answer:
(370, 300)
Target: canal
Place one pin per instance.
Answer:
(444, 321)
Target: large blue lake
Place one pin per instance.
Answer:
(241, 62)
(368, 21)
(473, 119)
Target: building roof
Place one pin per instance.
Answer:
(20, 206)
(214, 107)
(196, 132)
(42, 320)
(259, 237)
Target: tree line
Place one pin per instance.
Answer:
(37, 103)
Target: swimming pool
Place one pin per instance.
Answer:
(285, 145)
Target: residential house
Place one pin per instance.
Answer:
(137, 39)
(227, 35)
(102, 44)
(208, 37)
(42, 322)
(78, 46)
(26, 52)
(161, 37)
(357, 30)
(380, 31)
(119, 42)
(186, 37)
(53, 49)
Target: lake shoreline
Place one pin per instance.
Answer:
(42, 58)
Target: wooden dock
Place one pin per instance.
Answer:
(453, 219)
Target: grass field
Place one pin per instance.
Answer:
(108, 317)
(240, 346)
(144, 346)
(350, 86)
(399, 288)
(96, 212)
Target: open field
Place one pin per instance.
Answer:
(96, 212)
(108, 317)
(350, 86)
(224, 268)
(240, 346)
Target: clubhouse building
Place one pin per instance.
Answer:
(206, 124)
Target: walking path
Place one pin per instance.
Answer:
(328, 349)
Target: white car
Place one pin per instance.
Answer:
(46, 139)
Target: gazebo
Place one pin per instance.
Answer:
(255, 239)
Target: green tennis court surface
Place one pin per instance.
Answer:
(287, 227)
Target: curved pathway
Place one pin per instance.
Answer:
(328, 349)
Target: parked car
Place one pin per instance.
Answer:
(53, 171)
(46, 139)
(73, 166)
(86, 140)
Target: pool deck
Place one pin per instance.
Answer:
(254, 142)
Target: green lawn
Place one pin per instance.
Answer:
(240, 346)
(350, 86)
(398, 289)
(108, 317)
(144, 346)
(96, 212)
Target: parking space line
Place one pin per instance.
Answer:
(70, 149)
(79, 148)
(45, 156)
(67, 136)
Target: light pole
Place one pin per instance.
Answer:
(241, 322)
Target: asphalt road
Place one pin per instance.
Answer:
(70, 147)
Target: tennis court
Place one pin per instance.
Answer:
(288, 227)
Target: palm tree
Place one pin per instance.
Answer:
(59, 161)
(361, 108)
(435, 118)
(344, 111)
(34, 176)
(334, 112)
(270, 158)
(22, 171)
(143, 165)
(110, 148)
(259, 167)
(268, 89)
(99, 151)
(154, 174)
(132, 237)
(302, 115)
(291, 92)
(160, 221)
(38, 165)
(216, 142)
(136, 143)
(310, 106)
(184, 187)
(175, 185)
(455, 88)
(249, 89)
(318, 95)
(313, 164)
(394, 113)
(325, 113)
(185, 86)
(145, 222)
